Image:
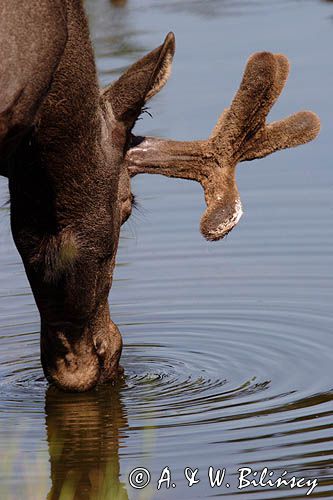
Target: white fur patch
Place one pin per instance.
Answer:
(226, 226)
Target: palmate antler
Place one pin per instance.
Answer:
(241, 134)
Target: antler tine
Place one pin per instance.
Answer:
(292, 131)
(263, 80)
(240, 134)
(282, 73)
(297, 129)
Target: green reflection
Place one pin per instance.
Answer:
(84, 432)
(119, 3)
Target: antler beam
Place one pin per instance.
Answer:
(241, 134)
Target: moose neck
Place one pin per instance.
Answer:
(68, 123)
(69, 127)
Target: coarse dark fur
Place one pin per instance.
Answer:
(68, 151)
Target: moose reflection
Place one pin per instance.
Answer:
(84, 433)
(119, 3)
(68, 150)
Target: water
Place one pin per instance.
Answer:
(228, 346)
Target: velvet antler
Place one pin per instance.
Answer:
(241, 134)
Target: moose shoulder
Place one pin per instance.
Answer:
(61, 137)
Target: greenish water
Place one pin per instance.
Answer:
(228, 346)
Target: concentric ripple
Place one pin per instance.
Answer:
(246, 361)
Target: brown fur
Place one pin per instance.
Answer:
(141, 82)
(33, 35)
(56, 255)
(62, 149)
(68, 152)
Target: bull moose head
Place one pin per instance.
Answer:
(68, 151)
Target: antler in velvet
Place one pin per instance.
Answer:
(241, 134)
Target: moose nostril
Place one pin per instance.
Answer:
(100, 346)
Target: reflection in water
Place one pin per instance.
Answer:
(119, 3)
(115, 35)
(84, 431)
(208, 8)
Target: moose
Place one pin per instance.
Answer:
(68, 150)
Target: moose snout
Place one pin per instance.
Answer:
(76, 357)
(69, 357)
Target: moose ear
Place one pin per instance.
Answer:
(141, 82)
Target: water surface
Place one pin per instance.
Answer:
(228, 346)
